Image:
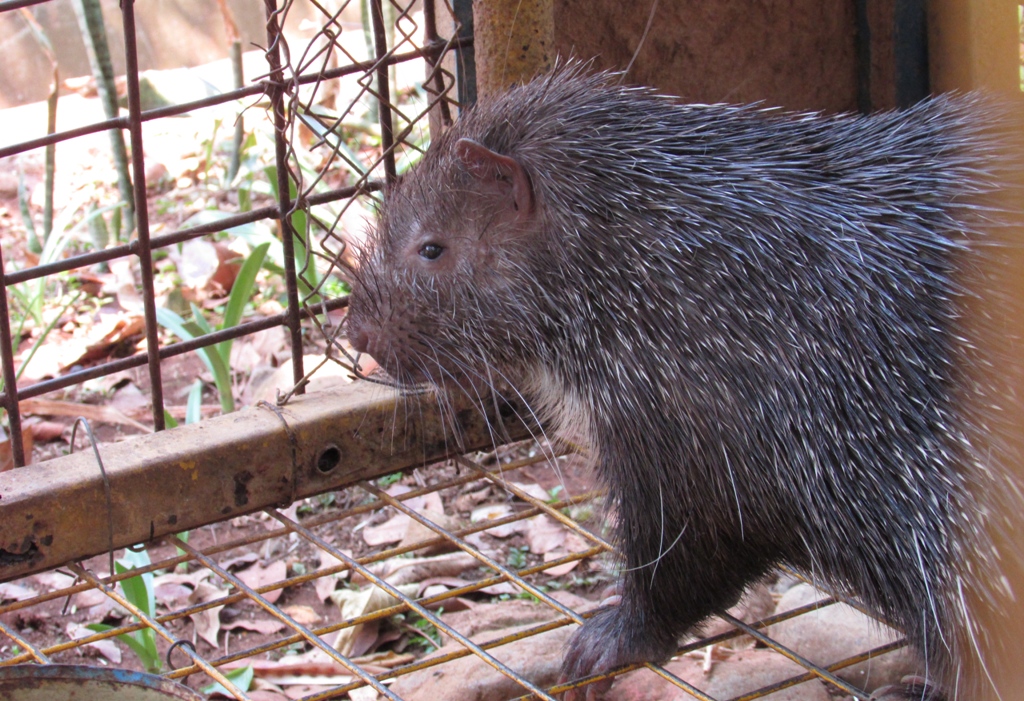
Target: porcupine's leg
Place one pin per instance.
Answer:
(678, 571)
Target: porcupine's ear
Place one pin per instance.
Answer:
(502, 175)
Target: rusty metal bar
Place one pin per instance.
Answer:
(802, 661)
(413, 605)
(169, 351)
(387, 131)
(31, 651)
(17, 4)
(10, 393)
(241, 93)
(181, 235)
(306, 633)
(285, 204)
(145, 254)
(151, 623)
(433, 59)
(176, 480)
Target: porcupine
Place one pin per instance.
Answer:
(750, 319)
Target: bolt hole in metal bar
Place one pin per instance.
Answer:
(281, 86)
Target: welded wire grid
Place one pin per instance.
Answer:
(319, 533)
(308, 210)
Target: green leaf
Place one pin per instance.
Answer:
(213, 360)
(199, 320)
(138, 589)
(241, 291)
(170, 421)
(141, 650)
(240, 677)
(194, 407)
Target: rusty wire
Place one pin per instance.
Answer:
(491, 572)
(322, 242)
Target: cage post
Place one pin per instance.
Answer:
(387, 136)
(285, 204)
(143, 249)
(432, 56)
(10, 395)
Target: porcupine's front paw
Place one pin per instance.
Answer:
(610, 639)
(910, 689)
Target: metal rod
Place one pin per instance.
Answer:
(434, 59)
(182, 235)
(169, 351)
(10, 395)
(226, 466)
(254, 89)
(144, 252)
(910, 45)
(387, 133)
(17, 4)
(285, 205)
(465, 55)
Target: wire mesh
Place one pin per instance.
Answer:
(320, 93)
(278, 637)
(256, 585)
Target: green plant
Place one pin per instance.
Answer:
(217, 358)
(388, 480)
(138, 590)
(193, 407)
(517, 557)
(241, 677)
(429, 637)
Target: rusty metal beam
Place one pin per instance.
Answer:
(55, 512)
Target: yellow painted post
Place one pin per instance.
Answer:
(975, 45)
(513, 41)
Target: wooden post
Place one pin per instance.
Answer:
(974, 45)
(513, 41)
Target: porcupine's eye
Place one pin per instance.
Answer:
(431, 251)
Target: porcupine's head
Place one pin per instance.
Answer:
(438, 288)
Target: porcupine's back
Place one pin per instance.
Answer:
(766, 301)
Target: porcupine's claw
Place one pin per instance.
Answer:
(910, 688)
(606, 641)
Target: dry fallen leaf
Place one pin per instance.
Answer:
(406, 570)
(397, 528)
(43, 431)
(327, 583)
(360, 602)
(266, 626)
(93, 412)
(7, 454)
(108, 648)
(207, 623)
(534, 490)
(391, 531)
(545, 534)
(12, 591)
(258, 576)
(364, 693)
(302, 614)
(52, 581)
(417, 532)
(493, 512)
